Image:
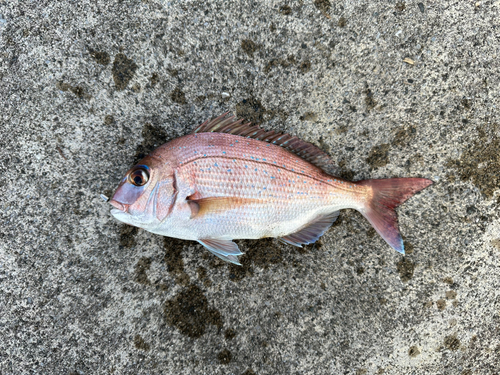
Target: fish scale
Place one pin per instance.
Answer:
(229, 180)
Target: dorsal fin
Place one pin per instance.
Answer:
(305, 150)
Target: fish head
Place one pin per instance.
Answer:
(145, 194)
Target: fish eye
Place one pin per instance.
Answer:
(139, 177)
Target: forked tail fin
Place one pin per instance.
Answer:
(387, 195)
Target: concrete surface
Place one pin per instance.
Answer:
(87, 86)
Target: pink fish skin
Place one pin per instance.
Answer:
(228, 180)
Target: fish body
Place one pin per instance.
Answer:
(229, 180)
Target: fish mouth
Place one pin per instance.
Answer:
(119, 206)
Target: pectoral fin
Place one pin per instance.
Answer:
(214, 205)
(312, 231)
(225, 249)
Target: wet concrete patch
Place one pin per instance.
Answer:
(140, 343)
(452, 342)
(190, 312)
(178, 96)
(285, 10)
(230, 334)
(155, 78)
(305, 66)
(249, 47)
(173, 259)
(203, 276)
(79, 91)
(127, 235)
(100, 57)
(379, 156)
(413, 352)
(323, 6)
(251, 109)
(441, 304)
(141, 269)
(405, 269)
(153, 137)
(496, 243)
(224, 357)
(261, 253)
(123, 71)
(404, 136)
(370, 101)
(480, 164)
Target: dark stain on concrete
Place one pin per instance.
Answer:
(405, 269)
(305, 66)
(140, 343)
(249, 372)
(496, 243)
(178, 96)
(260, 253)
(345, 173)
(400, 6)
(309, 116)
(100, 57)
(448, 280)
(451, 294)
(155, 78)
(152, 138)
(441, 304)
(127, 233)
(174, 261)
(252, 110)
(466, 103)
(370, 233)
(408, 248)
(285, 10)
(79, 91)
(379, 156)
(109, 120)
(452, 342)
(284, 63)
(323, 6)
(230, 334)
(342, 22)
(370, 101)
(480, 162)
(203, 276)
(123, 71)
(404, 136)
(190, 313)
(136, 88)
(141, 269)
(224, 357)
(413, 351)
(249, 47)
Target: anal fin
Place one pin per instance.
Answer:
(312, 231)
(225, 249)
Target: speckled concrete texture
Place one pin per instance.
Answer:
(389, 89)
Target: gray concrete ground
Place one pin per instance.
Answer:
(88, 86)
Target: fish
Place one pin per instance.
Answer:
(230, 180)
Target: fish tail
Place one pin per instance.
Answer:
(387, 194)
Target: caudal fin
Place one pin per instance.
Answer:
(387, 195)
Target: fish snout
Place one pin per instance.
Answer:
(118, 205)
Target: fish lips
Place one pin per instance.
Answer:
(118, 206)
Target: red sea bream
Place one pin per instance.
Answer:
(229, 180)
